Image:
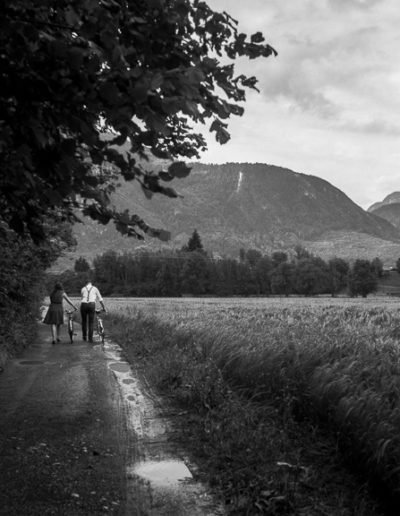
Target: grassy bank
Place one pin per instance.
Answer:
(275, 394)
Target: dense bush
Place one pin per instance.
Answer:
(21, 292)
(22, 282)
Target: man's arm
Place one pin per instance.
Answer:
(100, 299)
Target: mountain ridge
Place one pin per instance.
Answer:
(388, 209)
(391, 198)
(256, 205)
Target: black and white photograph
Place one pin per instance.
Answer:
(200, 258)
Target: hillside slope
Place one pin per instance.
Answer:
(246, 205)
(388, 209)
(389, 212)
(392, 198)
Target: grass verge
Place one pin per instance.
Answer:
(267, 415)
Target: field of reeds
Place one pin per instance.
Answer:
(285, 395)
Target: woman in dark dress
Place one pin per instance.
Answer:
(55, 313)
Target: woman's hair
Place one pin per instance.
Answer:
(58, 286)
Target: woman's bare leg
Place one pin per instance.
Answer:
(54, 332)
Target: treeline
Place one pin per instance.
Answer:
(193, 272)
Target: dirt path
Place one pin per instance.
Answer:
(80, 436)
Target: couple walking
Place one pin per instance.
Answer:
(55, 313)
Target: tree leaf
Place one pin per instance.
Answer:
(148, 193)
(75, 57)
(257, 38)
(119, 140)
(71, 17)
(69, 146)
(109, 92)
(169, 192)
(53, 197)
(156, 81)
(222, 136)
(179, 169)
(165, 176)
(139, 93)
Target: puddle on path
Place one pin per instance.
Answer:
(168, 473)
(161, 484)
(120, 367)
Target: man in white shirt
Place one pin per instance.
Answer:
(89, 294)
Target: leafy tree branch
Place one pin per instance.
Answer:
(75, 72)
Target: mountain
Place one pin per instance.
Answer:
(388, 209)
(392, 198)
(389, 212)
(251, 206)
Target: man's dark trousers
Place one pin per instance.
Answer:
(87, 314)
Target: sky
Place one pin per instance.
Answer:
(329, 104)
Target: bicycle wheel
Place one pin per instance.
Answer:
(70, 327)
(101, 332)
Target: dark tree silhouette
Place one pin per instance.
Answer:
(253, 256)
(138, 71)
(194, 243)
(362, 278)
(81, 265)
(377, 267)
(195, 273)
(282, 278)
(311, 276)
(338, 271)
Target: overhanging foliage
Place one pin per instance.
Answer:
(140, 70)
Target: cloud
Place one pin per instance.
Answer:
(382, 127)
(338, 73)
(329, 102)
(336, 59)
(355, 4)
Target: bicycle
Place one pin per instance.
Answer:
(100, 326)
(70, 324)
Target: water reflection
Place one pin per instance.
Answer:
(166, 473)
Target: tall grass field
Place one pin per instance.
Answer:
(294, 404)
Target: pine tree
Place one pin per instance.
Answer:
(194, 243)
